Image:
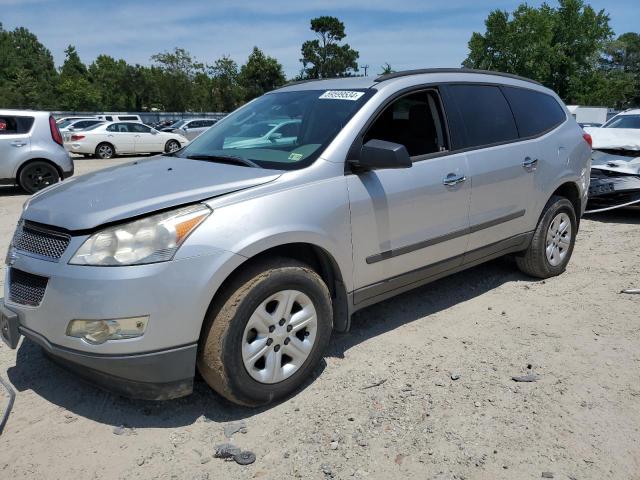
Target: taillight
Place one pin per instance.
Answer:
(75, 138)
(588, 139)
(55, 133)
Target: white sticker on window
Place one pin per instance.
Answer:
(341, 95)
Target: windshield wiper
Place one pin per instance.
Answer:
(225, 159)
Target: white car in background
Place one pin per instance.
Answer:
(107, 140)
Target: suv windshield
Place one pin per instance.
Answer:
(624, 121)
(282, 130)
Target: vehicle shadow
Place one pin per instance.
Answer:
(629, 216)
(33, 371)
(12, 191)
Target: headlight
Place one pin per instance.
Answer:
(148, 240)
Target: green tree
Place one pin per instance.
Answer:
(75, 91)
(260, 74)
(178, 69)
(623, 56)
(27, 72)
(552, 45)
(110, 77)
(226, 89)
(324, 57)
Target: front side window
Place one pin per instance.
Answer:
(254, 132)
(414, 121)
(486, 114)
(624, 121)
(138, 128)
(535, 112)
(118, 127)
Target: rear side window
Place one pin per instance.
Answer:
(535, 112)
(128, 118)
(15, 125)
(485, 113)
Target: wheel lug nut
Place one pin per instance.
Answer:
(287, 340)
(276, 348)
(269, 341)
(289, 328)
(281, 322)
(272, 328)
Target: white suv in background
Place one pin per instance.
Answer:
(31, 150)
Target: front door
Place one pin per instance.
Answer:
(408, 219)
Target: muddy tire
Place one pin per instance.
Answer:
(265, 332)
(553, 240)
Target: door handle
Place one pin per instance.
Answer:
(530, 164)
(453, 179)
(19, 143)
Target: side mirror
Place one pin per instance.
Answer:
(154, 131)
(380, 154)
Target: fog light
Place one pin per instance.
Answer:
(99, 331)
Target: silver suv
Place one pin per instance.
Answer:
(31, 150)
(240, 259)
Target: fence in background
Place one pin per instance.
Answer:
(148, 117)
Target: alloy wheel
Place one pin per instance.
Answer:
(558, 239)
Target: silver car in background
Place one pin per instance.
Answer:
(31, 150)
(191, 128)
(241, 261)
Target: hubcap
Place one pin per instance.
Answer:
(173, 146)
(105, 151)
(558, 239)
(279, 336)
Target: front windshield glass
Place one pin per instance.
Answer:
(624, 121)
(178, 124)
(281, 130)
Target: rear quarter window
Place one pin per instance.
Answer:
(485, 113)
(15, 125)
(535, 112)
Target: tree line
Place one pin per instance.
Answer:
(570, 48)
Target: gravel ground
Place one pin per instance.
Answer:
(420, 388)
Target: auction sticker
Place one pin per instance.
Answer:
(341, 95)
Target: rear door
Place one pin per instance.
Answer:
(146, 140)
(407, 221)
(122, 138)
(502, 167)
(15, 143)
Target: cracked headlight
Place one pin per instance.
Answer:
(149, 240)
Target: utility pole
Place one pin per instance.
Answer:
(365, 68)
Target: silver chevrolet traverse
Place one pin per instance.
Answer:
(240, 258)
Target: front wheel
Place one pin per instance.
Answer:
(172, 146)
(37, 175)
(265, 332)
(553, 240)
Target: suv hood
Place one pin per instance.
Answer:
(137, 188)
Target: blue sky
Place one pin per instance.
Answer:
(405, 33)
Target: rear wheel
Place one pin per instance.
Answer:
(553, 240)
(172, 146)
(37, 175)
(266, 332)
(105, 151)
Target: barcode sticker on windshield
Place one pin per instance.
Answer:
(341, 95)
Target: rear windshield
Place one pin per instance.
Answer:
(280, 130)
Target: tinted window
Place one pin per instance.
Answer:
(485, 113)
(109, 117)
(15, 125)
(624, 121)
(138, 128)
(535, 112)
(414, 121)
(129, 117)
(208, 123)
(118, 127)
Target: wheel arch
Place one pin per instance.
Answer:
(571, 192)
(37, 159)
(319, 259)
(115, 150)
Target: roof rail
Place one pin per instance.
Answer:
(406, 73)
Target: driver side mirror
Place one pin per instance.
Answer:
(380, 154)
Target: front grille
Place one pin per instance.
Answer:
(39, 241)
(26, 288)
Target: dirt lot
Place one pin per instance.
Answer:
(581, 420)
